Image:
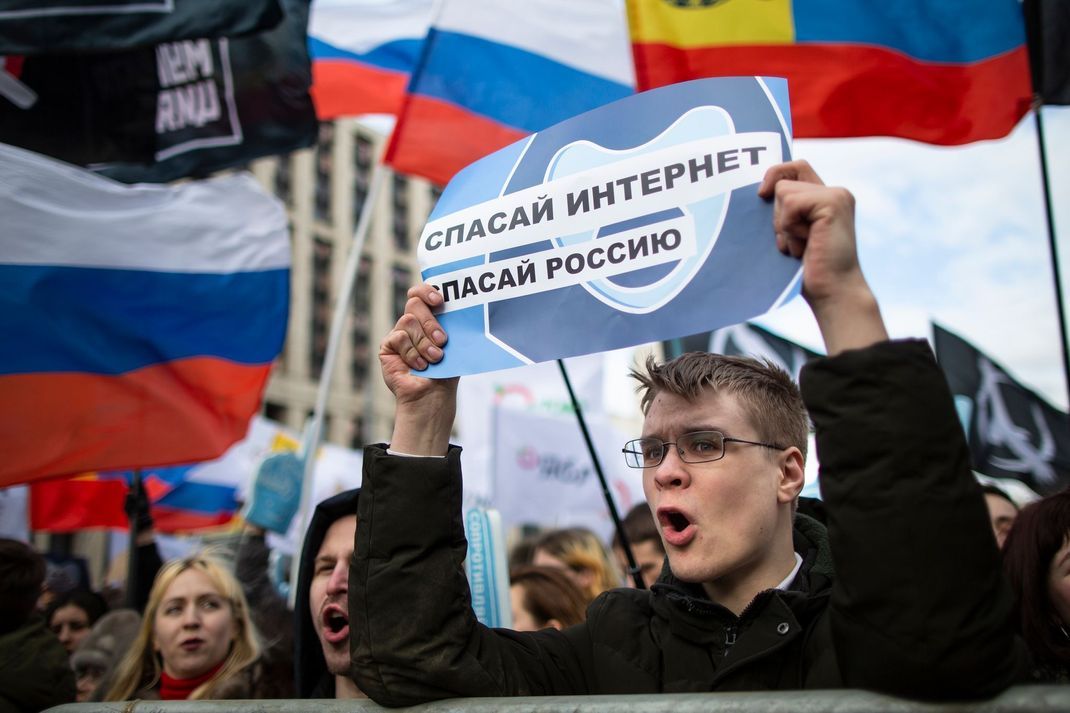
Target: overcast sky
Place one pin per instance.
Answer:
(958, 235)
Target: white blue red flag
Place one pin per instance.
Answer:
(140, 322)
(363, 52)
(493, 72)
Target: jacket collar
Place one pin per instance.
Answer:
(694, 612)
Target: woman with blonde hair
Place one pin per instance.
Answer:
(196, 639)
(578, 553)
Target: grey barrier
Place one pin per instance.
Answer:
(1021, 699)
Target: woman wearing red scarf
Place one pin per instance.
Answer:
(196, 639)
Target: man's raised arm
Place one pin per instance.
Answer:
(414, 637)
(919, 607)
(816, 223)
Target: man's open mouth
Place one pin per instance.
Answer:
(335, 624)
(676, 527)
(673, 520)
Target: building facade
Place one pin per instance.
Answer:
(325, 188)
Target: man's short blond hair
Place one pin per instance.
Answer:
(768, 395)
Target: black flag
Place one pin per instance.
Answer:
(1047, 24)
(1012, 431)
(29, 27)
(745, 340)
(178, 109)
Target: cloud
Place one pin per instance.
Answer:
(957, 235)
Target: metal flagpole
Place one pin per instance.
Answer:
(311, 438)
(1035, 26)
(1049, 214)
(633, 569)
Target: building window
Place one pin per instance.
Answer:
(401, 213)
(356, 434)
(275, 412)
(362, 170)
(402, 278)
(361, 337)
(324, 165)
(321, 304)
(284, 179)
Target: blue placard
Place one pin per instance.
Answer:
(485, 567)
(635, 222)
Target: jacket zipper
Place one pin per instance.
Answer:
(729, 637)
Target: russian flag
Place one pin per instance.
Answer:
(363, 52)
(493, 72)
(179, 500)
(140, 322)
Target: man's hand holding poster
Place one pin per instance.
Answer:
(635, 222)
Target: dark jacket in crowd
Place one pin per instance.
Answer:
(270, 615)
(312, 679)
(902, 593)
(34, 671)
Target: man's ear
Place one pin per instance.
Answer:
(792, 475)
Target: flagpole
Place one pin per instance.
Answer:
(311, 437)
(1052, 245)
(132, 564)
(625, 545)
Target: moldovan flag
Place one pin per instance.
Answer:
(140, 322)
(363, 52)
(492, 72)
(938, 71)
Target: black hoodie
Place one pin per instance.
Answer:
(311, 677)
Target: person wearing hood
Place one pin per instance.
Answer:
(95, 659)
(321, 610)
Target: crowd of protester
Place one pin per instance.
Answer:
(214, 625)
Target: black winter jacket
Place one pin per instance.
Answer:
(903, 595)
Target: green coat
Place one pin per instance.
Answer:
(34, 671)
(902, 594)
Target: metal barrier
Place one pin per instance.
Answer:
(1021, 699)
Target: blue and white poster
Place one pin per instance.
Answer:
(636, 222)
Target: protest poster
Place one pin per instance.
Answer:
(635, 222)
(544, 475)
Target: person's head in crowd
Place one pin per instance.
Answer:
(523, 551)
(1002, 512)
(722, 453)
(1036, 560)
(322, 602)
(71, 615)
(195, 635)
(60, 578)
(98, 654)
(647, 549)
(578, 553)
(544, 597)
(35, 671)
(22, 572)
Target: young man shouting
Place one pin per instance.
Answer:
(902, 593)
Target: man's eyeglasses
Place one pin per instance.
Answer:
(697, 447)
